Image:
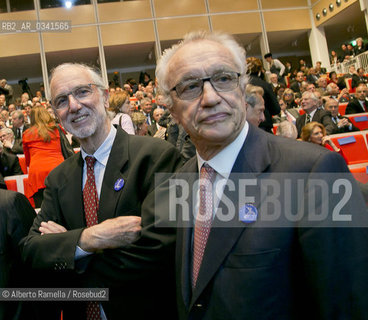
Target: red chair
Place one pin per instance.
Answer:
(360, 173)
(18, 183)
(359, 120)
(353, 146)
(342, 108)
(22, 162)
(348, 82)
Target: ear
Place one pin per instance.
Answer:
(105, 97)
(174, 114)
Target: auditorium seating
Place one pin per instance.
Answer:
(22, 162)
(360, 172)
(360, 120)
(342, 108)
(348, 82)
(354, 146)
(18, 183)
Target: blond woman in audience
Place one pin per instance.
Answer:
(42, 150)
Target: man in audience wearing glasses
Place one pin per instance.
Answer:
(91, 231)
(240, 255)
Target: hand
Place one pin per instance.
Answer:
(51, 227)
(7, 144)
(327, 140)
(343, 122)
(111, 234)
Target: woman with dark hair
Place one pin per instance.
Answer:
(42, 150)
(120, 106)
(332, 77)
(315, 132)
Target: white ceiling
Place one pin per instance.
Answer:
(346, 26)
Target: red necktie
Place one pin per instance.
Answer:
(90, 201)
(204, 218)
(365, 106)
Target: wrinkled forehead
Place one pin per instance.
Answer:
(67, 78)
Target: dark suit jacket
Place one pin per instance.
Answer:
(17, 147)
(272, 106)
(354, 106)
(16, 218)
(139, 277)
(320, 116)
(9, 165)
(152, 129)
(256, 271)
(356, 80)
(26, 126)
(344, 129)
(295, 86)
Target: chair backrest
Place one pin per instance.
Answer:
(342, 108)
(19, 183)
(360, 173)
(359, 120)
(22, 162)
(353, 146)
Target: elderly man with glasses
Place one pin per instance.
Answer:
(247, 244)
(91, 231)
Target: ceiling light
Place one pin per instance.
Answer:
(318, 16)
(68, 4)
(324, 12)
(331, 7)
(338, 2)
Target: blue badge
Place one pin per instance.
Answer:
(119, 184)
(248, 213)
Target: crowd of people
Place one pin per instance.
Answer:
(104, 211)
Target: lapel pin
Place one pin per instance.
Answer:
(119, 184)
(248, 213)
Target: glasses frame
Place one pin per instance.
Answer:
(203, 80)
(71, 92)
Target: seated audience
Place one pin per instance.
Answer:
(332, 77)
(315, 132)
(359, 104)
(359, 78)
(120, 107)
(155, 127)
(332, 90)
(341, 123)
(255, 104)
(287, 129)
(10, 144)
(9, 163)
(311, 103)
(42, 149)
(289, 98)
(139, 123)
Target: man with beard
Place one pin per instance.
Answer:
(90, 231)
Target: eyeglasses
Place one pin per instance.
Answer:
(81, 94)
(193, 88)
(4, 135)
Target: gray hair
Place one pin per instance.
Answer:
(253, 95)
(7, 131)
(93, 72)
(287, 129)
(18, 113)
(223, 39)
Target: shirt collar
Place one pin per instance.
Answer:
(223, 162)
(103, 152)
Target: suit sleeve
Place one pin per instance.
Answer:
(328, 123)
(16, 169)
(50, 251)
(335, 257)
